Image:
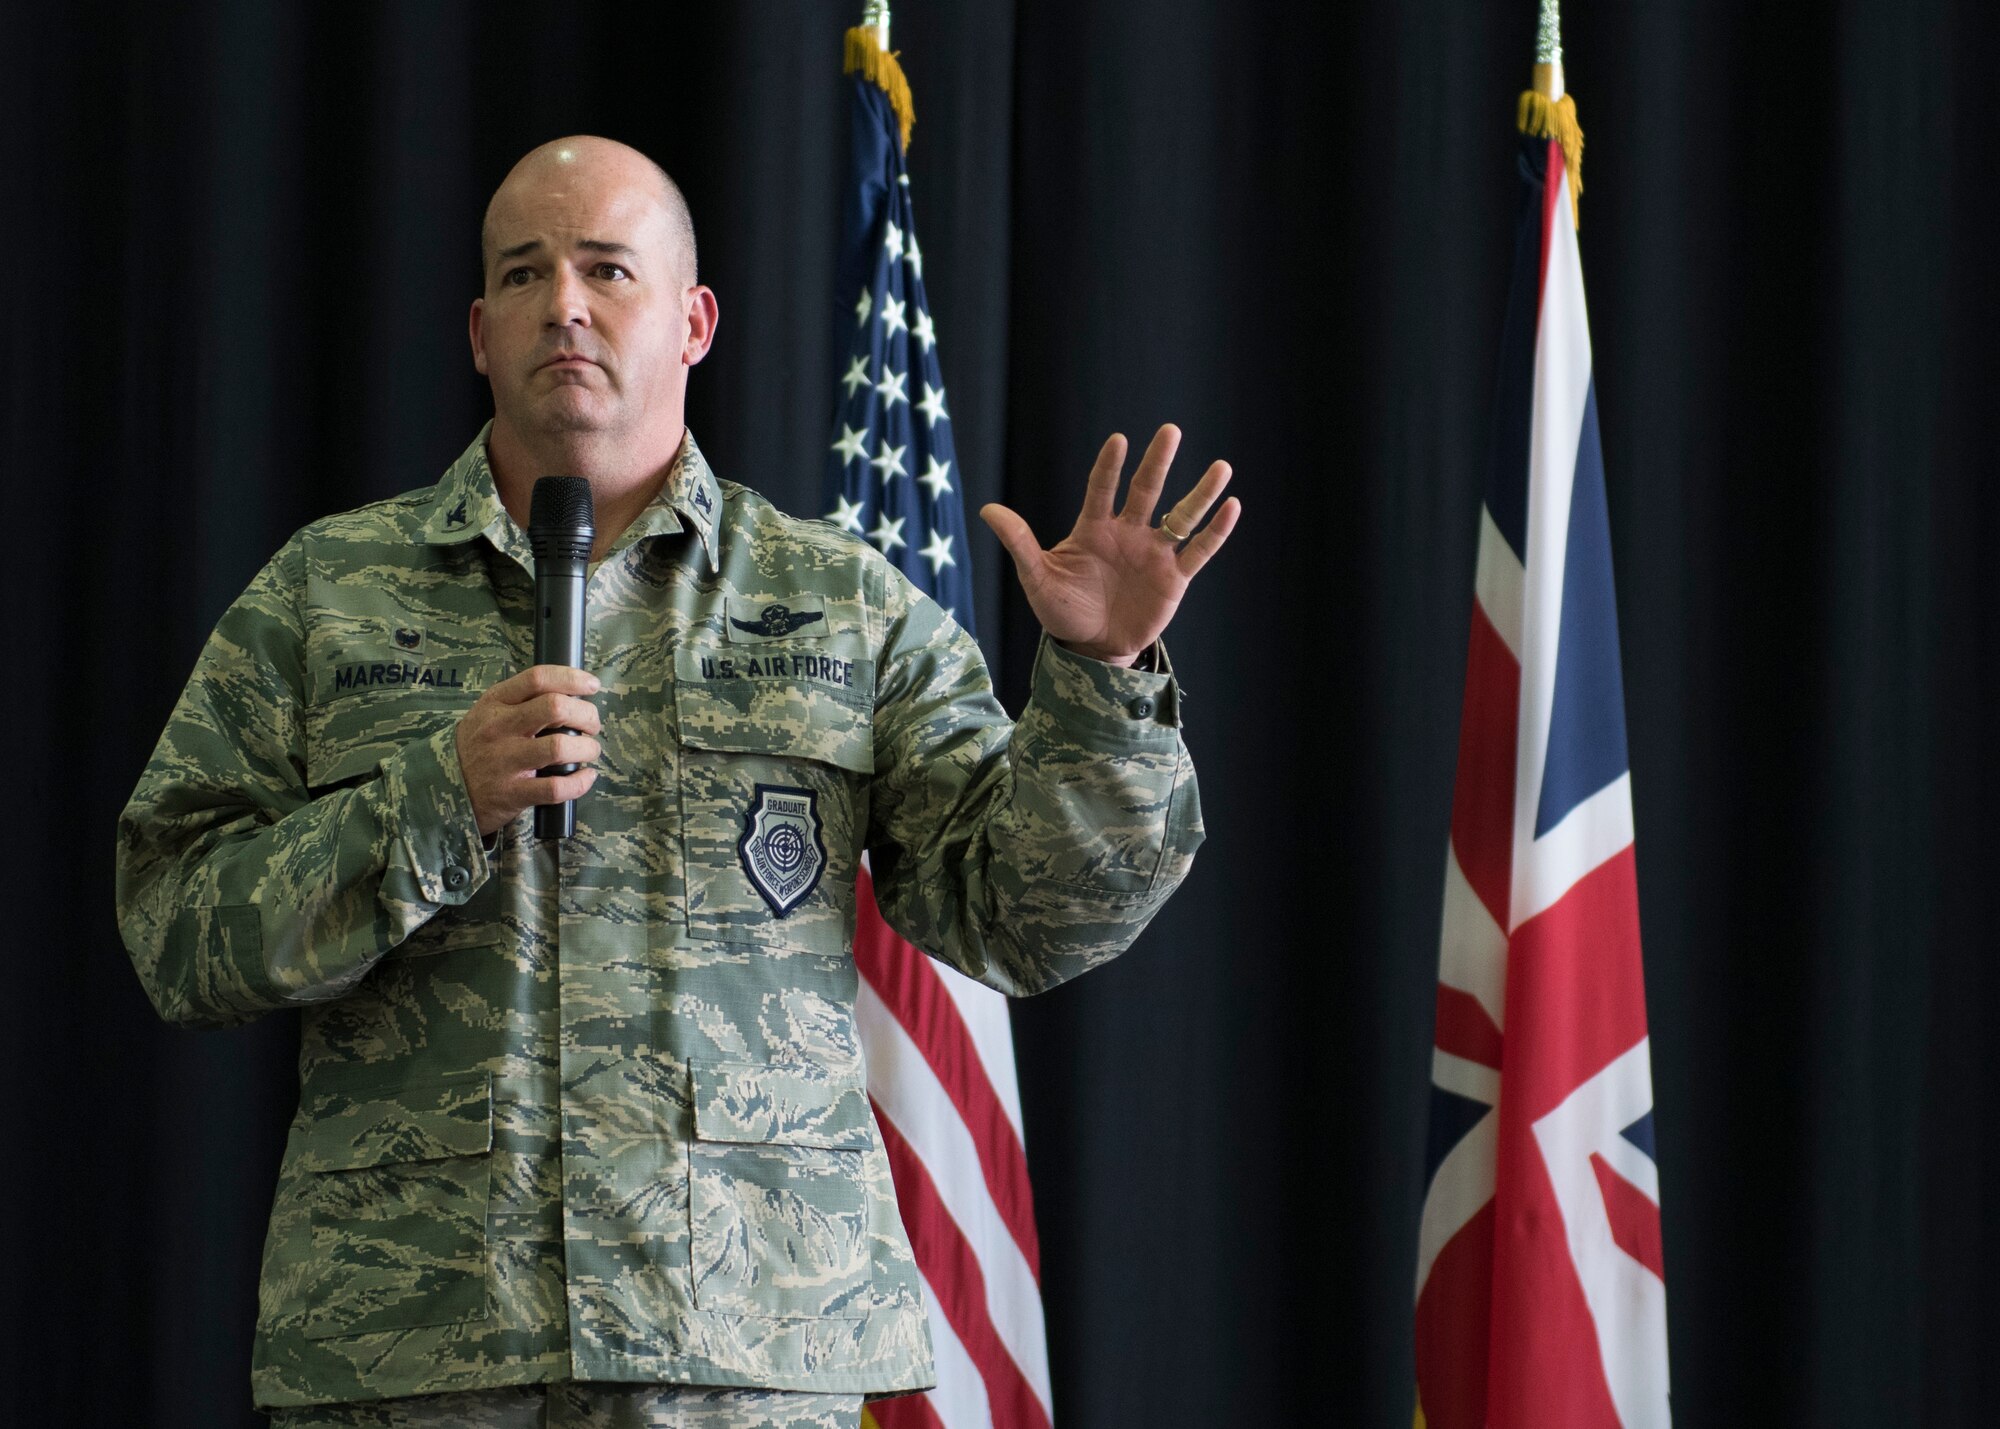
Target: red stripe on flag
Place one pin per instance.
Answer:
(1574, 976)
(1546, 1371)
(909, 1411)
(1555, 173)
(1465, 1030)
(1482, 801)
(1452, 1328)
(1635, 1219)
(915, 994)
(955, 1278)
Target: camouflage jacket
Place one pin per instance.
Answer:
(595, 1110)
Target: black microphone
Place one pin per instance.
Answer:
(561, 527)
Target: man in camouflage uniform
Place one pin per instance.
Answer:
(582, 1134)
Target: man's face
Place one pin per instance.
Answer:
(584, 325)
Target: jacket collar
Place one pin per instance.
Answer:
(465, 504)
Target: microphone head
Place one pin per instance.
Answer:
(561, 503)
(561, 518)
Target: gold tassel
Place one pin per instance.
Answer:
(1555, 119)
(879, 67)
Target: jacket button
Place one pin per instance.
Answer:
(456, 878)
(1142, 708)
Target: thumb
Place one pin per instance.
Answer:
(1015, 535)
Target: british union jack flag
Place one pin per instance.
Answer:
(1541, 1289)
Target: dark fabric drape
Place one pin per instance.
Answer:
(241, 239)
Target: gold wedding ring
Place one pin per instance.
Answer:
(1172, 534)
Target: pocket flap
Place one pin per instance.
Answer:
(423, 1121)
(796, 704)
(786, 1103)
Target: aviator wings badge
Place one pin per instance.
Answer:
(781, 848)
(777, 620)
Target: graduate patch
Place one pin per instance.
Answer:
(781, 848)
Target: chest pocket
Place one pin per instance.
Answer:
(776, 751)
(363, 710)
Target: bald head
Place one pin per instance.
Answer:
(560, 163)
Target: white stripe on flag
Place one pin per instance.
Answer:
(1628, 1303)
(984, 1012)
(1496, 581)
(1589, 834)
(910, 1095)
(960, 1397)
(1562, 384)
(1462, 1187)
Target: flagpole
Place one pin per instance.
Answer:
(876, 13)
(1546, 110)
(1549, 50)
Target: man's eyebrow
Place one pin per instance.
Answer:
(594, 245)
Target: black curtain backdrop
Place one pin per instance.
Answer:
(240, 242)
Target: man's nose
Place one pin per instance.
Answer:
(569, 303)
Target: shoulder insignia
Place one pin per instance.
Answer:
(702, 500)
(778, 620)
(456, 516)
(782, 851)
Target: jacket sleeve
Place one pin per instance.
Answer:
(1023, 853)
(238, 892)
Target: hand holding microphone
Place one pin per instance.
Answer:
(503, 746)
(525, 742)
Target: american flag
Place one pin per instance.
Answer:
(939, 1046)
(1541, 1290)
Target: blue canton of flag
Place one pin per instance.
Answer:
(892, 473)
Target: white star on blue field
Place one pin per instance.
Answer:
(891, 466)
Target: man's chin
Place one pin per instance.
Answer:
(569, 410)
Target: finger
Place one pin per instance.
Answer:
(1187, 513)
(1015, 535)
(560, 788)
(544, 680)
(1195, 554)
(1151, 475)
(532, 716)
(1102, 489)
(552, 749)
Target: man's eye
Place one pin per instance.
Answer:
(611, 270)
(514, 277)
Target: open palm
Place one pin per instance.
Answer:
(1110, 586)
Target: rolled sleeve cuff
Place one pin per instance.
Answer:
(436, 826)
(1115, 705)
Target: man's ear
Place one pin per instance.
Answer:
(478, 337)
(702, 316)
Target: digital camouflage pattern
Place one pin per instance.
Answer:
(588, 1406)
(596, 1110)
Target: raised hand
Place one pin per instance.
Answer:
(1110, 586)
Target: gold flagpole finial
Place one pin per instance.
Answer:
(1546, 111)
(869, 55)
